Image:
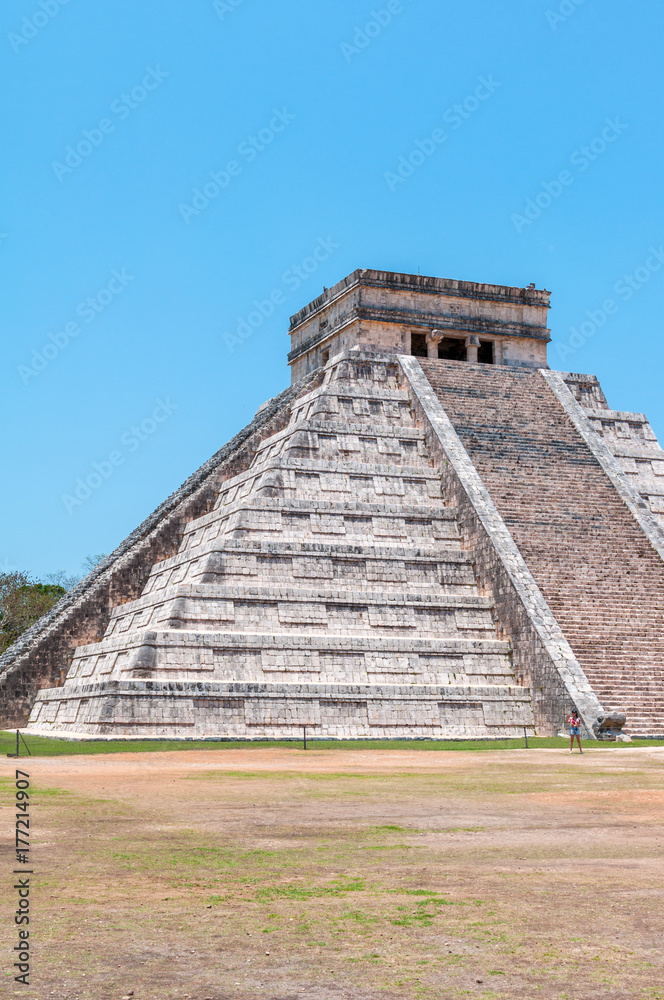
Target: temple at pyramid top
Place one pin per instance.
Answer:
(422, 316)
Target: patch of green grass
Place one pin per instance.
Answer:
(301, 892)
(426, 910)
(55, 793)
(389, 847)
(359, 917)
(416, 892)
(463, 829)
(44, 746)
(523, 779)
(282, 776)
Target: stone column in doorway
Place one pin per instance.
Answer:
(433, 339)
(472, 345)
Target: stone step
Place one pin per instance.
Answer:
(246, 657)
(344, 645)
(604, 413)
(354, 399)
(343, 427)
(359, 566)
(649, 451)
(330, 528)
(647, 684)
(404, 446)
(268, 608)
(279, 710)
(647, 702)
(349, 426)
(336, 448)
(308, 478)
(315, 518)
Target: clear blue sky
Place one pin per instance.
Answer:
(170, 92)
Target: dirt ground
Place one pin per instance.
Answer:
(276, 874)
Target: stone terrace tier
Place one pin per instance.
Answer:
(629, 437)
(596, 567)
(328, 587)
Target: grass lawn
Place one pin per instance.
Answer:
(42, 746)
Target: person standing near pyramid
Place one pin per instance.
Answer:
(574, 723)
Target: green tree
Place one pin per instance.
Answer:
(22, 602)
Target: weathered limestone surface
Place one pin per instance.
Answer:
(328, 587)
(587, 538)
(630, 439)
(383, 311)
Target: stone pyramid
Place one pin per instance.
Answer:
(328, 588)
(429, 535)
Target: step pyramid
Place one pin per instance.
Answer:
(429, 534)
(328, 588)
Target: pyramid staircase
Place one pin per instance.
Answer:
(600, 574)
